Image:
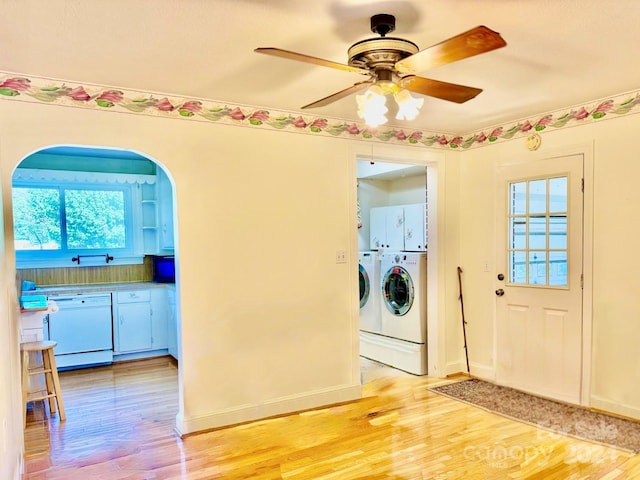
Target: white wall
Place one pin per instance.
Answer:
(408, 190)
(612, 290)
(269, 320)
(11, 431)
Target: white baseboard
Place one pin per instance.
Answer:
(476, 369)
(279, 406)
(452, 368)
(613, 406)
(484, 372)
(19, 471)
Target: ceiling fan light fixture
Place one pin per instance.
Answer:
(372, 106)
(408, 106)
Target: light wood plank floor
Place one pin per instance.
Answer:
(120, 427)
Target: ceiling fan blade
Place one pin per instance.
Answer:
(473, 42)
(278, 52)
(435, 88)
(338, 95)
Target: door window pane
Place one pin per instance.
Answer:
(538, 232)
(518, 232)
(558, 194)
(538, 268)
(558, 232)
(558, 268)
(518, 198)
(538, 196)
(518, 267)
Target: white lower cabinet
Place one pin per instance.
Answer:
(172, 322)
(132, 321)
(159, 316)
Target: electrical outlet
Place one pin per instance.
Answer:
(341, 256)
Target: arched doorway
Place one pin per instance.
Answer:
(92, 222)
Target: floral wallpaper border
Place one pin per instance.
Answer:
(36, 89)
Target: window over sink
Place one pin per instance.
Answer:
(61, 215)
(70, 218)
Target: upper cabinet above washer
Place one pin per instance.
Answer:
(398, 227)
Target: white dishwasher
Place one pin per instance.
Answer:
(83, 328)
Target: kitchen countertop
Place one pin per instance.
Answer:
(103, 287)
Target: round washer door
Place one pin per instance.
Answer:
(365, 285)
(397, 290)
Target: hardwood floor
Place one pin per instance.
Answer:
(120, 427)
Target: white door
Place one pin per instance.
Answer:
(539, 257)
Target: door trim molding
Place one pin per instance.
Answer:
(436, 296)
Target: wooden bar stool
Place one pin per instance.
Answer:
(51, 389)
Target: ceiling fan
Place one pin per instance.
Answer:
(393, 62)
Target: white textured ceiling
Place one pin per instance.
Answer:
(559, 53)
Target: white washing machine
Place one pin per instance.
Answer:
(403, 295)
(403, 309)
(369, 274)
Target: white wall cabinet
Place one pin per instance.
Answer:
(398, 227)
(165, 211)
(149, 212)
(156, 204)
(386, 229)
(415, 231)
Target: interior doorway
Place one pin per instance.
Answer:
(66, 184)
(392, 198)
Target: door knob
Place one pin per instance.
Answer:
(500, 276)
(500, 292)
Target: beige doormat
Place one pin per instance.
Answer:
(558, 417)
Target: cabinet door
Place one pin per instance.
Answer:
(159, 309)
(414, 227)
(395, 227)
(377, 228)
(134, 327)
(165, 204)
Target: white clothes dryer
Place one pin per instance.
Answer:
(369, 274)
(403, 296)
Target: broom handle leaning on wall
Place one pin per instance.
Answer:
(464, 322)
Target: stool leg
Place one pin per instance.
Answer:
(56, 384)
(48, 379)
(25, 385)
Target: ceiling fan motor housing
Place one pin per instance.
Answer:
(383, 23)
(381, 54)
(384, 52)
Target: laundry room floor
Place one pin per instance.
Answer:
(372, 370)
